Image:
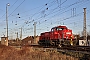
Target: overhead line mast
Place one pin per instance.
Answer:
(34, 32)
(84, 27)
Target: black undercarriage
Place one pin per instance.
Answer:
(56, 42)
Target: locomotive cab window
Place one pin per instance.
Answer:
(60, 28)
(53, 29)
(56, 29)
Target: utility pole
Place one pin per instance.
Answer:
(7, 22)
(21, 34)
(84, 28)
(34, 32)
(17, 37)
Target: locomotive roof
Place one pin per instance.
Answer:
(60, 27)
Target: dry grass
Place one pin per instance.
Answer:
(27, 53)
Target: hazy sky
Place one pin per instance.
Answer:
(46, 13)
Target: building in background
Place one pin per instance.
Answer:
(4, 41)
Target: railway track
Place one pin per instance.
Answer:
(69, 48)
(75, 51)
(76, 48)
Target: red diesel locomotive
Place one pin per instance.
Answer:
(58, 35)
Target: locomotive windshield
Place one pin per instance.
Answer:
(60, 28)
(56, 29)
